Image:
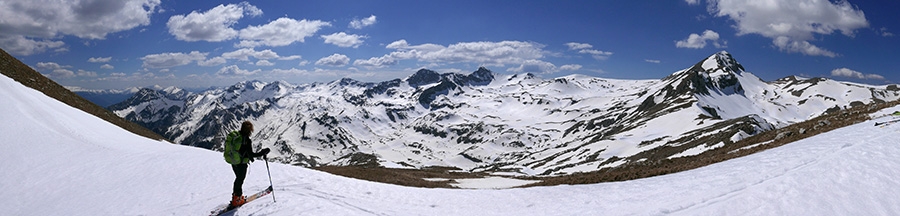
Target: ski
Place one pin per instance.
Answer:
(883, 124)
(226, 208)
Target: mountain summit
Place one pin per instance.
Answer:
(517, 123)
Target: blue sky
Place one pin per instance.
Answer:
(100, 44)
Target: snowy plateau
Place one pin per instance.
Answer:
(505, 124)
(58, 160)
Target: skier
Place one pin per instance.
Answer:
(238, 153)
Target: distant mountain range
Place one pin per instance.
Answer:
(517, 124)
(107, 97)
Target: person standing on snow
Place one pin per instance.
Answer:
(239, 153)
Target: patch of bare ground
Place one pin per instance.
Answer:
(405, 177)
(15, 69)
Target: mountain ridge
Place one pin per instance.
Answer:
(517, 124)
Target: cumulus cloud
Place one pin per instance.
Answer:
(883, 31)
(234, 70)
(264, 63)
(792, 24)
(99, 59)
(570, 67)
(846, 72)
(292, 71)
(246, 53)
(19, 45)
(29, 26)
(787, 44)
(212, 61)
(536, 66)
(106, 66)
(62, 71)
(584, 48)
(212, 25)
(696, 41)
(376, 62)
(342, 39)
(167, 60)
(483, 52)
(692, 2)
(281, 32)
(596, 54)
(84, 73)
(360, 23)
(336, 60)
(578, 46)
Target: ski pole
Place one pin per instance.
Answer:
(270, 177)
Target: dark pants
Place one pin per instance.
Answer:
(240, 172)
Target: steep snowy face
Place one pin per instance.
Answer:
(514, 123)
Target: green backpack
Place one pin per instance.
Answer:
(232, 149)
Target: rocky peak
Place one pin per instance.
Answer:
(423, 77)
(482, 76)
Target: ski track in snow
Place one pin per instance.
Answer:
(61, 161)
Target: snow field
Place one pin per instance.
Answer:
(61, 161)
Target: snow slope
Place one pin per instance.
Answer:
(60, 161)
(489, 122)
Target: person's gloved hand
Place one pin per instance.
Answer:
(264, 152)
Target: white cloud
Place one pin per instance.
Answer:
(692, 2)
(281, 32)
(846, 72)
(99, 59)
(359, 24)
(696, 41)
(292, 71)
(336, 60)
(376, 62)
(213, 25)
(792, 24)
(536, 66)
(19, 45)
(578, 46)
(400, 44)
(264, 63)
(234, 70)
(483, 52)
(292, 57)
(166, 60)
(106, 66)
(62, 71)
(212, 61)
(84, 19)
(50, 66)
(570, 67)
(597, 54)
(84, 73)
(584, 48)
(342, 39)
(884, 32)
(245, 53)
(652, 61)
(787, 44)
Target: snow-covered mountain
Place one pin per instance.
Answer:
(108, 97)
(59, 160)
(487, 122)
